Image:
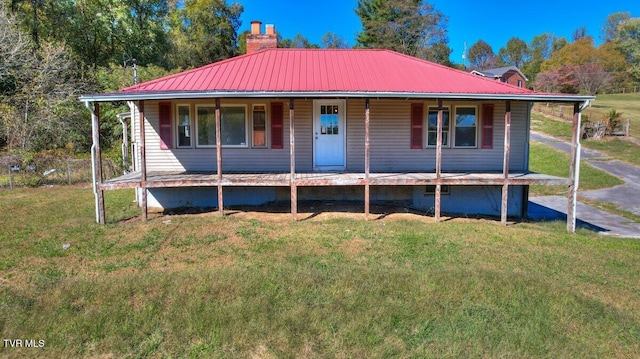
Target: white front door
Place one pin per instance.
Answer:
(329, 134)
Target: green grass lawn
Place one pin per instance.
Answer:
(613, 147)
(266, 287)
(627, 104)
(547, 160)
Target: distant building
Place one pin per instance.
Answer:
(510, 74)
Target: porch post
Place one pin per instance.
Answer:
(438, 160)
(219, 158)
(574, 169)
(505, 164)
(292, 156)
(143, 163)
(367, 153)
(97, 164)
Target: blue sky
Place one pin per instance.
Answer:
(494, 21)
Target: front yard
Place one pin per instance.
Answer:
(334, 285)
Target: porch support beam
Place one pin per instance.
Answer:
(97, 164)
(219, 158)
(143, 163)
(292, 155)
(438, 161)
(505, 164)
(574, 169)
(367, 153)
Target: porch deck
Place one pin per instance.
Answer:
(207, 179)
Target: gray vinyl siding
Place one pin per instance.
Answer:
(389, 138)
(233, 159)
(390, 122)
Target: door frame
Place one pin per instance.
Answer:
(343, 116)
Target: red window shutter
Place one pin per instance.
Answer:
(277, 131)
(417, 121)
(165, 125)
(487, 126)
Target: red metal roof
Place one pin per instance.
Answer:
(325, 72)
(313, 70)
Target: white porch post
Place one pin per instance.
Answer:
(96, 157)
(574, 169)
(505, 164)
(292, 156)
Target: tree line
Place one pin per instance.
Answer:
(52, 51)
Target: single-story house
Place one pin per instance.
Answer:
(510, 74)
(322, 124)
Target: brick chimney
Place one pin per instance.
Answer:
(257, 40)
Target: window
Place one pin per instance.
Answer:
(206, 125)
(432, 129)
(431, 189)
(259, 126)
(519, 83)
(329, 120)
(232, 122)
(234, 126)
(465, 127)
(184, 125)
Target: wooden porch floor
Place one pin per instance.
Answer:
(207, 179)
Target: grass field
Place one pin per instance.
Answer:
(265, 287)
(627, 104)
(614, 147)
(544, 159)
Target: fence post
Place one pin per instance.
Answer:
(10, 178)
(626, 130)
(69, 171)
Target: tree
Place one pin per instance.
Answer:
(412, 27)
(100, 32)
(628, 41)
(611, 24)
(586, 68)
(301, 42)
(560, 79)
(516, 53)
(333, 41)
(242, 42)
(591, 78)
(481, 56)
(203, 31)
(39, 89)
(540, 49)
(579, 33)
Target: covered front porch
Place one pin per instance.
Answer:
(144, 179)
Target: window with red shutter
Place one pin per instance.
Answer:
(487, 126)
(416, 125)
(277, 120)
(165, 125)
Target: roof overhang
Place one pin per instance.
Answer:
(139, 96)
